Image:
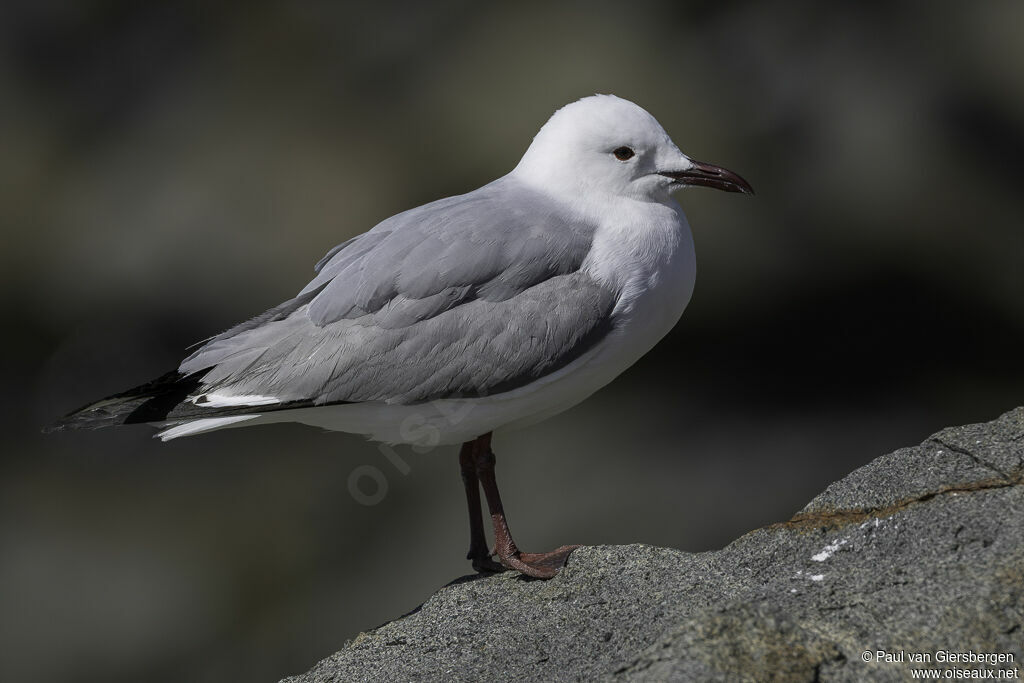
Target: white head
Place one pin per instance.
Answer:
(607, 145)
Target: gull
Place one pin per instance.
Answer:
(490, 310)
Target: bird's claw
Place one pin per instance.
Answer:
(538, 565)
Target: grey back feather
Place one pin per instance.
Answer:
(466, 296)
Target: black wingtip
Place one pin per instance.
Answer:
(149, 402)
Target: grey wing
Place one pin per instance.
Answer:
(467, 296)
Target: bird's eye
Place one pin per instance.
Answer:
(623, 153)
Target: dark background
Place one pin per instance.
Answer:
(168, 170)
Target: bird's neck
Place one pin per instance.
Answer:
(641, 250)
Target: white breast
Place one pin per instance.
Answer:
(647, 256)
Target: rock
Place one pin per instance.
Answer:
(920, 551)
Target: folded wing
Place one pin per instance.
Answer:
(467, 296)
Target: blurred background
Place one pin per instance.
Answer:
(170, 169)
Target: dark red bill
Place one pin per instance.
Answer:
(709, 175)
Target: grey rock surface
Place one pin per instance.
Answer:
(920, 551)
